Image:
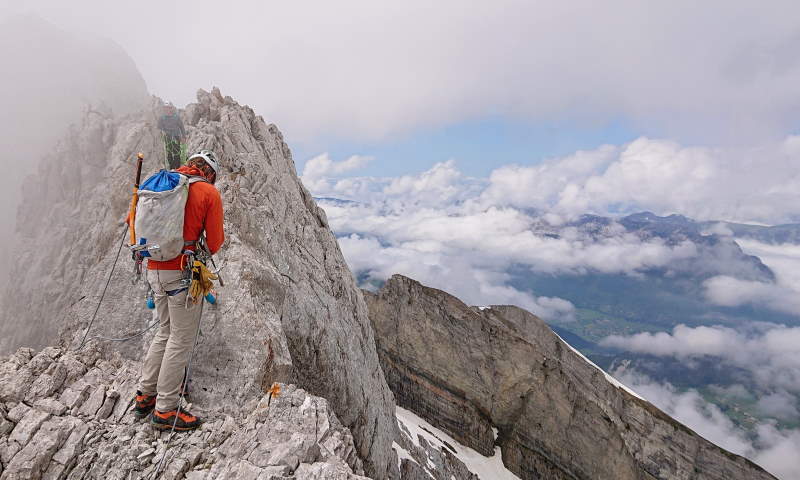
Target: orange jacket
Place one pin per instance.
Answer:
(203, 212)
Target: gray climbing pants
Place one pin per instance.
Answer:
(163, 368)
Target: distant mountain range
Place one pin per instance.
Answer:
(335, 201)
(672, 224)
(657, 299)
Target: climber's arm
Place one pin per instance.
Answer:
(215, 234)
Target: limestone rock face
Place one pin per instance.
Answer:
(467, 369)
(290, 310)
(93, 435)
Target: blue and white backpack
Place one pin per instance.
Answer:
(159, 214)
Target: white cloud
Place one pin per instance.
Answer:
(504, 237)
(783, 259)
(781, 296)
(777, 451)
(440, 226)
(362, 69)
(781, 405)
(719, 229)
(733, 292)
(771, 353)
(683, 342)
(322, 165)
(645, 175)
(440, 185)
(317, 171)
(772, 448)
(659, 176)
(435, 266)
(549, 184)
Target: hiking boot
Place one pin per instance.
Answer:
(164, 420)
(144, 405)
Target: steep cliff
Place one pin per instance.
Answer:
(290, 311)
(468, 370)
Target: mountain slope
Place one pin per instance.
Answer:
(468, 370)
(71, 419)
(290, 311)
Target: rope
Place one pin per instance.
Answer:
(103, 295)
(125, 339)
(183, 390)
(113, 267)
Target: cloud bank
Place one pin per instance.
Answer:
(645, 175)
(365, 70)
(463, 234)
(770, 352)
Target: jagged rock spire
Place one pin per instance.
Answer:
(290, 311)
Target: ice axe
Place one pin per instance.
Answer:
(135, 199)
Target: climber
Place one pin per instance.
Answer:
(173, 132)
(163, 369)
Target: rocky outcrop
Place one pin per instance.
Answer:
(468, 369)
(290, 310)
(66, 416)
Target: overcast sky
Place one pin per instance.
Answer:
(489, 84)
(452, 120)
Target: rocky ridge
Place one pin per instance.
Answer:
(290, 311)
(66, 415)
(467, 370)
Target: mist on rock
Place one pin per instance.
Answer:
(51, 78)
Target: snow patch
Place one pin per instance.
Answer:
(483, 307)
(487, 468)
(402, 453)
(611, 380)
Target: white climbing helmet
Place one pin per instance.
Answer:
(209, 158)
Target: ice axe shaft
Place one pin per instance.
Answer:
(135, 198)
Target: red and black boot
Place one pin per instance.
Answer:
(144, 405)
(185, 420)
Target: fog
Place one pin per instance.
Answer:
(717, 73)
(696, 72)
(50, 78)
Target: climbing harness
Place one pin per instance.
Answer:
(197, 278)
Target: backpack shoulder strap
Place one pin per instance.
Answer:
(195, 178)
